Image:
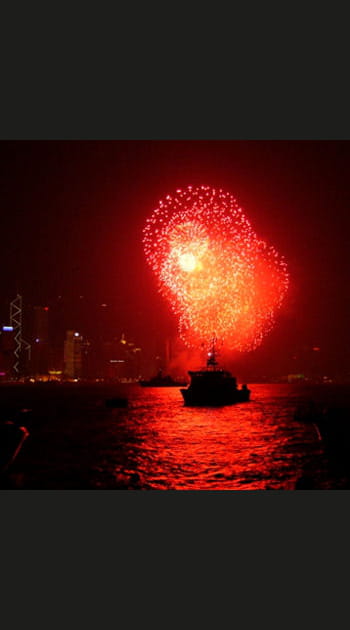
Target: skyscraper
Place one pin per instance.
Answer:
(7, 348)
(73, 346)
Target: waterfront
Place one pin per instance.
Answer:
(158, 444)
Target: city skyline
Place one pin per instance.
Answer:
(73, 214)
(43, 352)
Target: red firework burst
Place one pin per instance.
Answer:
(220, 279)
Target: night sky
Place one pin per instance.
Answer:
(72, 214)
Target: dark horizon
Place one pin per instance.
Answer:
(73, 213)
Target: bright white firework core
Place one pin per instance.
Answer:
(187, 262)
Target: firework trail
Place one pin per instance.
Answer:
(218, 276)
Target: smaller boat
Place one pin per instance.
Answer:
(162, 381)
(213, 386)
(116, 402)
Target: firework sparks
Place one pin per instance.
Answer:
(218, 276)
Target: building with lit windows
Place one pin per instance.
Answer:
(7, 348)
(73, 355)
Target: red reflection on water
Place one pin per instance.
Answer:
(245, 446)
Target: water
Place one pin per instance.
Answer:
(157, 443)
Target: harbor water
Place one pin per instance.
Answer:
(156, 443)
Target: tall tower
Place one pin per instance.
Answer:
(73, 354)
(16, 323)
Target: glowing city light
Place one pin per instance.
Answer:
(218, 276)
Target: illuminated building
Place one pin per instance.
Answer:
(7, 348)
(73, 354)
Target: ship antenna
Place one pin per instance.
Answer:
(212, 354)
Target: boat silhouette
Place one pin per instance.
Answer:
(161, 380)
(213, 386)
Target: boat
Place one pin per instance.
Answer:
(162, 381)
(213, 386)
(116, 402)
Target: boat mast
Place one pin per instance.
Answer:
(212, 354)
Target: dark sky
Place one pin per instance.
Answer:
(72, 215)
